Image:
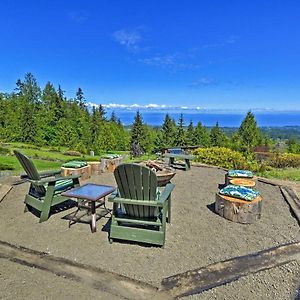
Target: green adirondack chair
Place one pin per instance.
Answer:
(140, 210)
(45, 188)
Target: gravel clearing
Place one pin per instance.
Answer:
(197, 237)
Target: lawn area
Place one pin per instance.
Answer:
(285, 174)
(42, 165)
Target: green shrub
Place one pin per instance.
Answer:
(284, 160)
(6, 167)
(72, 153)
(222, 157)
(4, 151)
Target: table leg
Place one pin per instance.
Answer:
(93, 211)
(187, 164)
(171, 161)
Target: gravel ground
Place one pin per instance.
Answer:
(197, 237)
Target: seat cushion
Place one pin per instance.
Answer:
(240, 173)
(75, 164)
(240, 192)
(62, 185)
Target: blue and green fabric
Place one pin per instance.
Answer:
(110, 156)
(62, 185)
(240, 192)
(76, 164)
(240, 173)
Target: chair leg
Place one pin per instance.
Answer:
(26, 209)
(169, 210)
(47, 204)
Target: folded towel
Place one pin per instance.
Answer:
(75, 164)
(240, 173)
(240, 192)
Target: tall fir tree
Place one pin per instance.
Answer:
(201, 135)
(249, 134)
(80, 99)
(180, 133)
(190, 134)
(166, 136)
(217, 136)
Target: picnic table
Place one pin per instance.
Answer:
(185, 157)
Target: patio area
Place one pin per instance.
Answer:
(196, 237)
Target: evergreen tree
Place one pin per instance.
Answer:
(166, 137)
(102, 112)
(113, 118)
(180, 133)
(249, 134)
(80, 99)
(201, 135)
(217, 136)
(190, 134)
(140, 135)
(30, 97)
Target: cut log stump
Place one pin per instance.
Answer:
(248, 182)
(95, 167)
(237, 210)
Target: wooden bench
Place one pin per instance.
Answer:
(172, 156)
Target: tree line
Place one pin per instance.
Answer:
(45, 117)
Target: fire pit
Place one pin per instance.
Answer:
(164, 173)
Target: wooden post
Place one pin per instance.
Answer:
(249, 182)
(237, 210)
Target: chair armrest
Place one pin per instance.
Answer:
(50, 180)
(134, 201)
(43, 174)
(166, 193)
(112, 196)
(49, 173)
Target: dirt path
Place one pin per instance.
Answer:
(196, 238)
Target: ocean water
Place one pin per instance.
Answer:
(210, 119)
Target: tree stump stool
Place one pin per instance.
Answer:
(238, 210)
(84, 172)
(247, 182)
(244, 181)
(95, 167)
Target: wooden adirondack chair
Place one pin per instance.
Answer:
(140, 210)
(45, 189)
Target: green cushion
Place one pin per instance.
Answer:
(240, 192)
(110, 156)
(75, 164)
(240, 173)
(61, 185)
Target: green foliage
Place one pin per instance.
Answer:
(293, 146)
(201, 136)
(180, 136)
(284, 160)
(248, 134)
(220, 156)
(217, 136)
(285, 174)
(166, 136)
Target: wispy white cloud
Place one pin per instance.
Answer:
(232, 39)
(204, 82)
(128, 38)
(78, 16)
(170, 61)
(167, 108)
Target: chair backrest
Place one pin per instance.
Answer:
(31, 172)
(137, 182)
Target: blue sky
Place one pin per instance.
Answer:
(207, 54)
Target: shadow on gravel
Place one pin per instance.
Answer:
(211, 207)
(297, 296)
(55, 209)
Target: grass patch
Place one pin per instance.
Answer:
(11, 163)
(285, 174)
